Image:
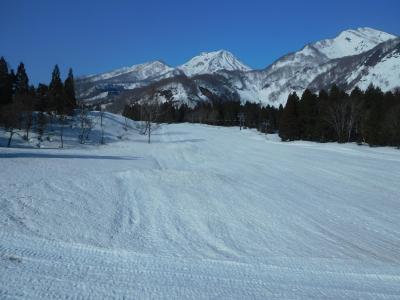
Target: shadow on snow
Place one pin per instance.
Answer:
(77, 156)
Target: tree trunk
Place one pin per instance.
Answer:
(27, 133)
(102, 129)
(10, 138)
(149, 132)
(62, 133)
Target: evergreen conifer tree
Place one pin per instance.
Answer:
(21, 81)
(373, 115)
(5, 83)
(289, 125)
(56, 91)
(70, 92)
(58, 100)
(307, 111)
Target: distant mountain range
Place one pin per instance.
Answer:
(354, 58)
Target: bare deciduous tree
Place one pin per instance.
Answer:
(353, 113)
(101, 124)
(125, 123)
(151, 112)
(10, 119)
(241, 118)
(85, 123)
(62, 120)
(27, 117)
(41, 124)
(342, 116)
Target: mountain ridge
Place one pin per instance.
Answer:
(292, 72)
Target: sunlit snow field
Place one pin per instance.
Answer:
(202, 212)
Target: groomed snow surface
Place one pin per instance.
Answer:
(201, 213)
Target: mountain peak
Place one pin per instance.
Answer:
(216, 53)
(352, 42)
(211, 62)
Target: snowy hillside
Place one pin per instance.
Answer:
(169, 219)
(380, 65)
(386, 74)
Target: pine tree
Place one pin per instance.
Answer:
(42, 95)
(356, 96)
(289, 125)
(70, 92)
(356, 93)
(24, 100)
(279, 116)
(13, 81)
(9, 113)
(58, 100)
(373, 113)
(392, 125)
(307, 110)
(21, 81)
(5, 83)
(334, 93)
(56, 91)
(320, 124)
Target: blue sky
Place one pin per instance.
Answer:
(97, 36)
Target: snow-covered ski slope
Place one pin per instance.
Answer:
(201, 213)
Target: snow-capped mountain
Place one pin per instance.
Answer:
(104, 85)
(380, 66)
(212, 62)
(294, 72)
(136, 72)
(344, 60)
(351, 42)
(99, 86)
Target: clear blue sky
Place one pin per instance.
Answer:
(97, 36)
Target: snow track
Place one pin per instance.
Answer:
(202, 212)
(63, 271)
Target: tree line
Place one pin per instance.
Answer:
(219, 112)
(370, 116)
(23, 105)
